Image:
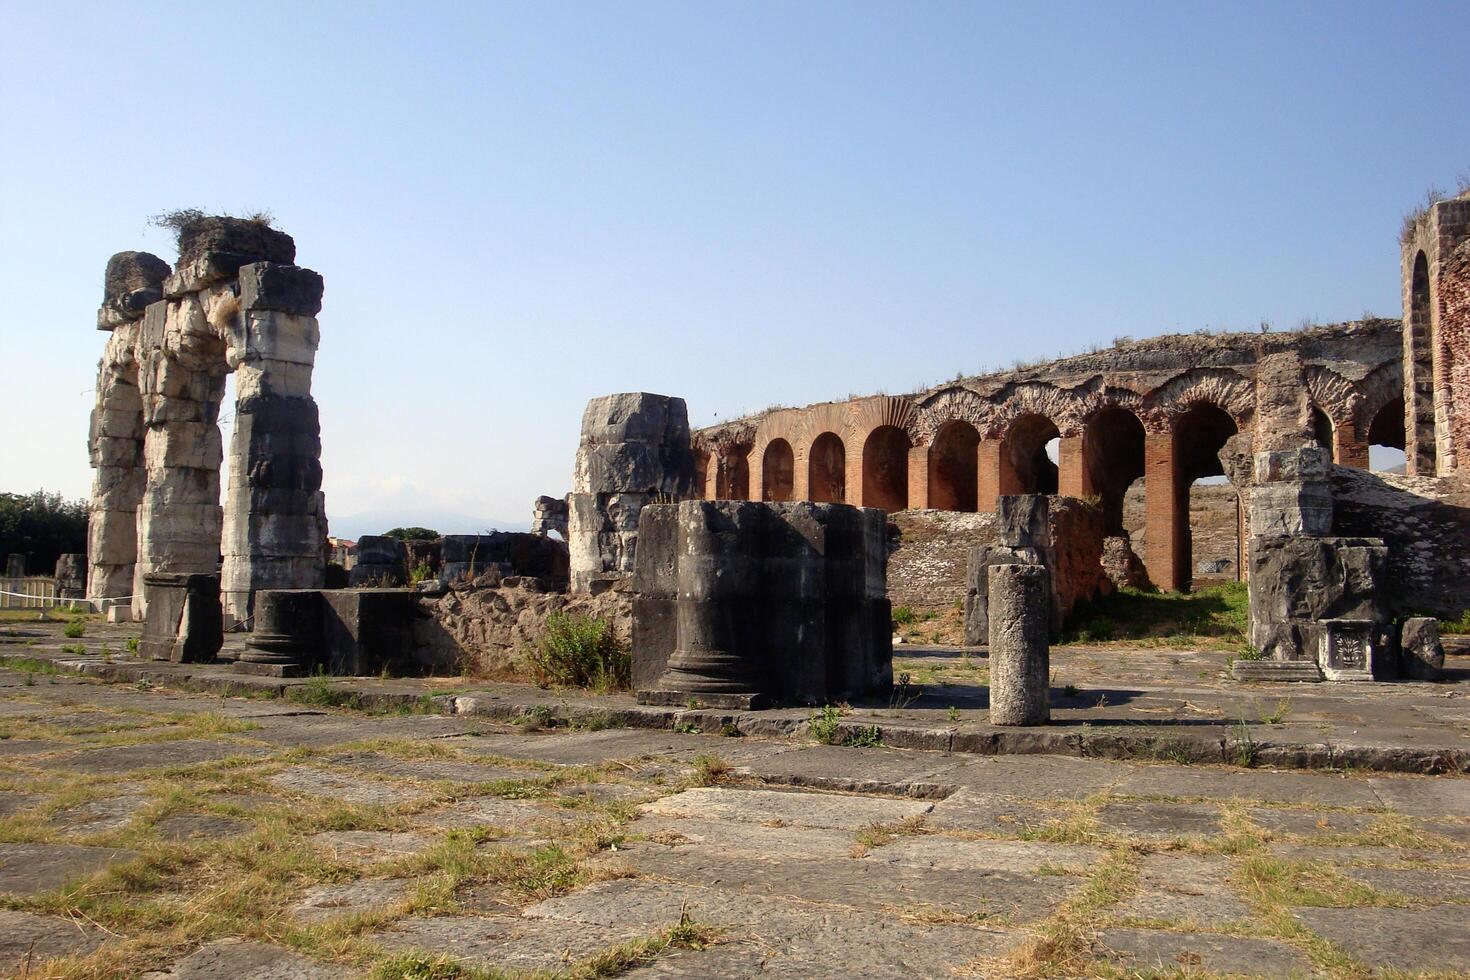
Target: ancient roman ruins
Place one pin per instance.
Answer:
(1281, 423)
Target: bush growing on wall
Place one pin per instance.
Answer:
(578, 651)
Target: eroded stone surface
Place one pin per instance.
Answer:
(29, 869)
(368, 845)
(1021, 857)
(1160, 820)
(322, 902)
(1185, 888)
(27, 939)
(802, 809)
(1150, 949)
(346, 787)
(503, 942)
(1407, 939)
(236, 959)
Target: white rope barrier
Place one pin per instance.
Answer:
(57, 600)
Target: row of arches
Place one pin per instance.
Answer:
(960, 470)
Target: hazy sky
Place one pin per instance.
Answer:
(517, 208)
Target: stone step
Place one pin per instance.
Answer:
(1276, 670)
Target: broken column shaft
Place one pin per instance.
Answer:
(1020, 609)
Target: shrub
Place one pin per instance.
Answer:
(904, 616)
(824, 725)
(579, 651)
(75, 628)
(132, 644)
(412, 534)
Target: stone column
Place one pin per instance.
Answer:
(634, 449)
(133, 280)
(71, 576)
(1166, 518)
(1020, 606)
(182, 374)
(275, 523)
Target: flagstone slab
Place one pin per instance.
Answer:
(29, 869)
(343, 786)
(1404, 939)
(27, 940)
(1185, 888)
(799, 809)
(1152, 949)
(236, 959)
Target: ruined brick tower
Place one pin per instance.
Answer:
(1435, 268)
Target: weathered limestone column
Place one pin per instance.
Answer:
(182, 373)
(133, 280)
(1020, 673)
(71, 576)
(275, 516)
(634, 449)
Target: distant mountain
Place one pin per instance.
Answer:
(354, 526)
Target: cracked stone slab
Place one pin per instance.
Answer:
(1223, 785)
(346, 787)
(1404, 939)
(859, 884)
(1309, 823)
(969, 809)
(199, 826)
(323, 902)
(101, 816)
(503, 942)
(739, 837)
(16, 802)
(1151, 949)
(29, 869)
(115, 759)
(495, 811)
(368, 845)
(430, 769)
(1433, 885)
(1185, 888)
(1160, 820)
(238, 959)
(773, 936)
(1018, 857)
(29, 939)
(798, 809)
(29, 746)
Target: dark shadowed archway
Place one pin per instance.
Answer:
(886, 469)
(1386, 438)
(954, 467)
(778, 471)
(1211, 506)
(827, 470)
(1025, 465)
(1113, 454)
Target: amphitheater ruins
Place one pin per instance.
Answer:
(1129, 430)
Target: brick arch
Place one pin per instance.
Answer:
(869, 414)
(954, 403)
(1375, 390)
(1064, 407)
(1337, 397)
(1222, 388)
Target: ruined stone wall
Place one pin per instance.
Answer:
(928, 558)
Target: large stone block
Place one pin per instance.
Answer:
(1308, 579)
(250, 240)
(188, 445)
(368, 632)
(285, 288)
(634, 467)
(132, 281)
(112, 537)
(1306, 464)
(1296, 508)
(636, 417)
(1421, 653)
(184, 622)
(516, 553)
(1021, 521)
(740, 602)
(268, 334)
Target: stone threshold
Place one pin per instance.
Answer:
(1078, 740)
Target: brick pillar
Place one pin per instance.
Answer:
(756, 470)
(1347, 448)
(1073, 480)
(918, 477)
(854, 478)
(801, 473)
(987, 475)
(1166, 515)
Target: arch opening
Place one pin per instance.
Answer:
(827, 470)
(1386, 439)
(701, 474)
(886, 469)
(778, 471)
(736, 482)
(954, 467)
(1113, 454)
(1027, 456)
(1322, 431)
(1210, 548)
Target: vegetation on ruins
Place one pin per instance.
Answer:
(75, 628)
(180, 220)
(1214, 617)
(42, 526)
(581, 651)
(413, 534)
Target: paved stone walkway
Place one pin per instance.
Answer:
(148, 832)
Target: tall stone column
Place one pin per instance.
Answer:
(115, 444)
(274, 516)
(182, 373)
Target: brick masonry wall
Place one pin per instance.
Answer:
(927, 562)
(1212, 518)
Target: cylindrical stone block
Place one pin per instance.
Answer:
(1020, 614)
(287, 628)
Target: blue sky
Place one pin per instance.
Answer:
(517, 208)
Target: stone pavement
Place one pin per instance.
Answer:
(1118, 703)
(157, 833)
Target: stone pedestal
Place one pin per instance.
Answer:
(740, 603)
(1421, 653)
(15, 566)
(287, 635)
(1020, 601)
(184, 622)
(71, 577)
(381, 563)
